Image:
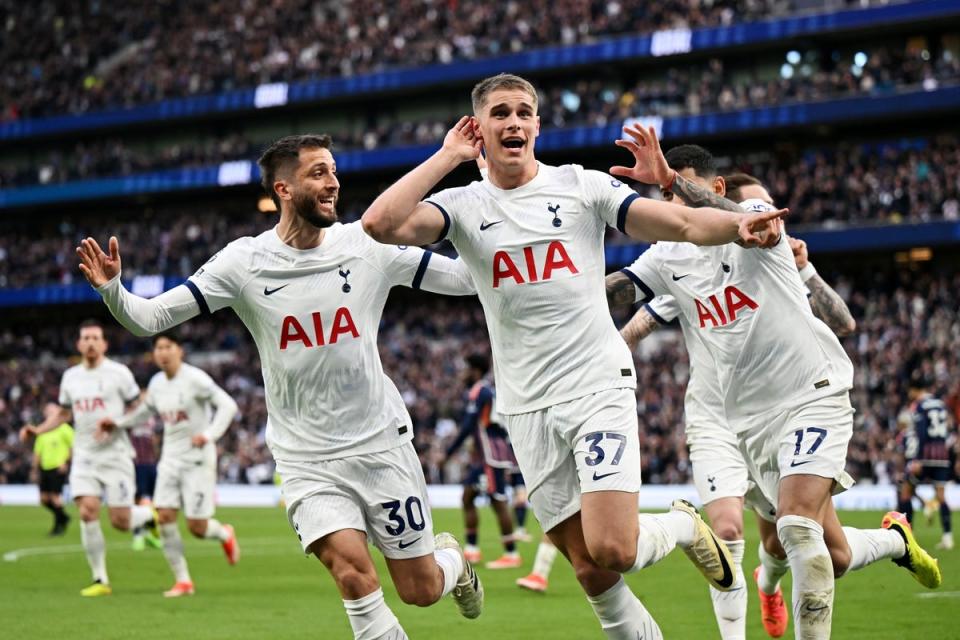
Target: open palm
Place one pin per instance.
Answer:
(98, 267)
(650, 166)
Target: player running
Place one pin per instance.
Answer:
(97, 388)
(491, 466)
(926, 450)
(719, 471)
(532, 237)
(184, 397)
(785, 381)
(311, 293)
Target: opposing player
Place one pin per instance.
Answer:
(926, 451)
(491, 466)
(785, 381)
(532, 237)
(311, 293)
(97, 388)
(51, 460)
(719, 471)
(195, 413)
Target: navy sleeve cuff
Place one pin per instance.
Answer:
(654, 315)
(422, 269)
(446, 220)
(622, 212)
(647, 291)
(201, 301)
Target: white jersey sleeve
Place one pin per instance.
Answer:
(646, 276)
(422, 269)
(226, 407)
(607, 197)
(218, 283)
(663, 309)
(449, 202)
(129, 389)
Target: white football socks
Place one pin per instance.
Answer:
(371, 618)
(173, 551)
(802, 539)
(869, 545)
(139, 516)
(622, 616)
(772, 569)
(451, 564)
(216, 531)
(659, 534)
(730, 607)
(543, 562)
(91, 535)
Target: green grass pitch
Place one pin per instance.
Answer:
(276, 592)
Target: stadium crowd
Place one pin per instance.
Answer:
(77, 57)
(907, 181)
(906, 320)
(675, 92)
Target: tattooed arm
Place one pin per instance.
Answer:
(640, 326)
(620, 291)
(696, 196)
(827, 305)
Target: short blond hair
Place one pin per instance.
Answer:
(500, 81)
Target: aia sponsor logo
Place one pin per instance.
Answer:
(719, 311)
(555, 259)
(89, 405)
(293, 331)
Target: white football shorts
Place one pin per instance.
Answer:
(382, 494)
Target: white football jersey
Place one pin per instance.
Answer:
(314, 315)
(750, 310)
(703, 403)
(184, 403)
(536, 256)
(94, 394)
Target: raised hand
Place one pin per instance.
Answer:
(464, 141)
(799, 248)
(97, 267)
(753, 223)
(27, 432)
(650, 165)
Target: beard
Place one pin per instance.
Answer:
(306, 207)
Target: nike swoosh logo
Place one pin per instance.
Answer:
(815, 609)
(797, 464)
(268, 292)
(676, 277)
(728, 577)
(605, 475)
(486, 225)
(404, 545)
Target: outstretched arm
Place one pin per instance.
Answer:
(140, 316)
(226, 410)
(655, 220)
(398, 216)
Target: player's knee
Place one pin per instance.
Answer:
(120, 521)
(166, 516)
(418, 594)
(354, 583)
(615, 555)
(728, 529)
(197, 527)
(840, 557)
(590, 576)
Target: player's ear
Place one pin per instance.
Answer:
(280, 188)
(720, 186)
